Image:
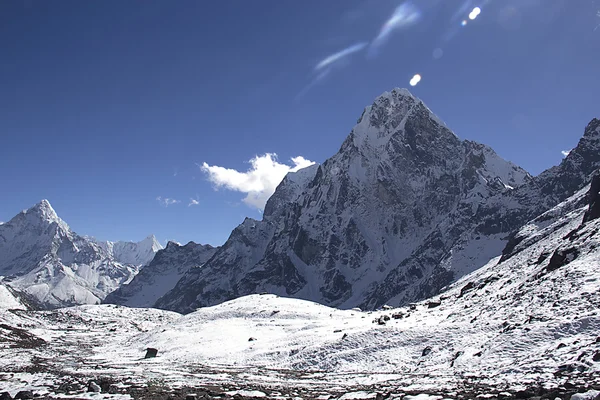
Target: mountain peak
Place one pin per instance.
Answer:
(44, 212)
(592, 129)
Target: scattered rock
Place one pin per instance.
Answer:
(426, 351)
(344, 336)
(113, 389)
(151, 353)
(434, 304)
(596, 357)
(386, 307)
(561, 257)
(93, 387)
(337, 331)
(24, 395)
(397, 315)
(251, 339)
(468, 287)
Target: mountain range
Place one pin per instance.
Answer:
(43, 258)
(402, 210)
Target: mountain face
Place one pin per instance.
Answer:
(403, 209)
(42, 257)
(161, 274)
(140, 253)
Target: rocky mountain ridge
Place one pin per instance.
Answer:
(403, 209)
(43, 258)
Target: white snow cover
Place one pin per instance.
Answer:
(134, 253)
(42, 256)
(510, 324)
(8, 301)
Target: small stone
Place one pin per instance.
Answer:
(251, 339)
(151, 353)
(426, 351)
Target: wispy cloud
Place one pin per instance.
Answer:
(194, 202)
(166, 201)
(259, 182)
(340, 55)
(404, 15)
(565, 152)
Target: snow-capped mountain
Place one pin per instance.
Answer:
(42, 257)
(525, 325)
(135, 253)
(161, 275)
(403, 209)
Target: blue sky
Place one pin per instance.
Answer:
(109, 108)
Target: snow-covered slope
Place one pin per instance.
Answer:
(403, 209)
(527, 320)
(161, 275)
(9, 300)
(41, 256)
(531, 317)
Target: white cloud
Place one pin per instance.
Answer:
(565, 152)
(193, 202)
(166, 201)
(259, 182)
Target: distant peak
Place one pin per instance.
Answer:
(44, 210)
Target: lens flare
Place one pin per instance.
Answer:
(340, 55)
(404, 15)
(475, 13)
(415, 79)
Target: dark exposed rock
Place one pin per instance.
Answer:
(596, 356)
(24, 395)
(5, 396)
(562, 257)
(434, 304)
(593, 211)
(426, 351)
(151, 352)
(465, 289)
(251, 339)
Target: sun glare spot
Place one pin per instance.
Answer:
(475, 13)
(463, 23)
(415, 79)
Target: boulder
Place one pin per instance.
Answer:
(25, 395)
(151, 352)
(93, 387)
